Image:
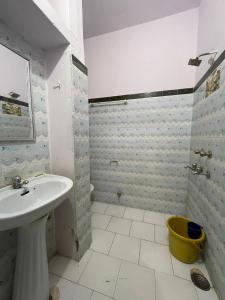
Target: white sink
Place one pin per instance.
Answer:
(27, 209)
(44, 193)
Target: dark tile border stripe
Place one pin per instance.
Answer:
(79, 65)
(143, 95)
(219, 60)
(14, 101)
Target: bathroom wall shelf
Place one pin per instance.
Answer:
(36, 21)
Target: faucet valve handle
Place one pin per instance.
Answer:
(25, 182)
(16, 179)
(194, 166)
(199, 170)
(17, 182)
(202, 152)
(196, 151)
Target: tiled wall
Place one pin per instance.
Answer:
(81, 162)
(150, 139)
(206, 197)
(25, 159)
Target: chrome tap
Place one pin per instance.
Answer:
(203, 153)
(17, 182)
(207, 174)
(198, 170)
(193, 167)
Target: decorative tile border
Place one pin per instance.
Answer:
(14, 101)
(79, 65)
(213, 83)
(11, 109)
(143, 95)
(219, 60)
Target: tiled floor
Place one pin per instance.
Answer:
(129, 259)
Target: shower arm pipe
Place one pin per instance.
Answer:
(122, 102)
(207, 53)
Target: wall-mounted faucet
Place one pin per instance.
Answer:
(207, 174)
(197, 170)
(203, 153)
(17, 182)
(193, 167)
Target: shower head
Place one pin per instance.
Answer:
(194, 62)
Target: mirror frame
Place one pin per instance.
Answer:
(28, 59)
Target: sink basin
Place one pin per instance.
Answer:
(23, 206)
(27, 209)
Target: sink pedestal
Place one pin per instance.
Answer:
(31, 274)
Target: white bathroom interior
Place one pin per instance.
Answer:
(112, 150)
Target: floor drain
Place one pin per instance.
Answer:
(199, 280)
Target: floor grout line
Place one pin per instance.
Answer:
(155, 285)
(112, 244)
(173, 275)
(172, 264)
(117, 278)
(92, 294)
(85, 265)
(121, 217)
(139, 256)
(131, 224)
(154, 233)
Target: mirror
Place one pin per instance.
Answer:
(16, 122)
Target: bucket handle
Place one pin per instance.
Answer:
(198, 246)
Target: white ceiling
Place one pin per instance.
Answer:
(102, 16)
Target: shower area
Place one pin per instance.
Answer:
(165, 152)
(139, 148)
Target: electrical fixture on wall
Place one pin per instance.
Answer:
(197, 61)
(57, 86)
(14, 95)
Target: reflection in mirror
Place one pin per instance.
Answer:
(16, 122)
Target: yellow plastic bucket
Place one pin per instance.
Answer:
(181, 246)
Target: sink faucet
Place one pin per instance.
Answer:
(17, 182)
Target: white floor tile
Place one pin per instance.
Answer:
(102, 240)
(134, 214)
(69, 268)
(101, 274)
(115, 210)
(100, 221)
(69, 290)
(183, 270)
(155, 218)
(126, 248)
(142, 230)
(135, 283)
(206, 295)
(161, 235)
(173, 288)
(99, 207)
(156, 256)
(97, 296)
(119, 225)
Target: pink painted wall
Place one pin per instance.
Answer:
(148, 57)
(211, 30)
